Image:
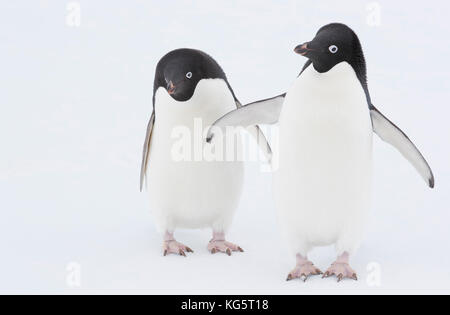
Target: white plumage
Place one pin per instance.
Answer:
(192, 194)
(323, 183)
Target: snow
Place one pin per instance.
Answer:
(75, 104)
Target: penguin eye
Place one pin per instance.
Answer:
(189, 75)
(333, 49)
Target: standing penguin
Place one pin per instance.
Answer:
(323, 184)
(191, 193)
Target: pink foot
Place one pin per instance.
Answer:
(303, 270)
(219, 245)
(171, 246)
(341, 269)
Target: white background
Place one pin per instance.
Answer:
(75, 102)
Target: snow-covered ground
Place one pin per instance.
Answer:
(75, 102)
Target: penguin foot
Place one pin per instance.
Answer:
(341, 271)
(219, 246)
(304, 271)
(173, 247)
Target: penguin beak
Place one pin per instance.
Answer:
(302, 49)
(171, 88)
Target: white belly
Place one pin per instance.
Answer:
(324, 179)
(187, 191)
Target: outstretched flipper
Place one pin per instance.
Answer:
(146, 150)
(259, 137)
(391, 134)
(265, 112)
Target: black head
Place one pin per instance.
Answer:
(180, 71)
(333, 44)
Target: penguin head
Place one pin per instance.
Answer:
(333, 44)
(181, 70)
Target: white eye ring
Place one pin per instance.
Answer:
(189, 75)
(333, 49)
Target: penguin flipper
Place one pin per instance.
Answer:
(260, 138)
(146, 151)
(391, 134)
(265, 112)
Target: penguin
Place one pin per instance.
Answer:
(327, 120)
(191, 87)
